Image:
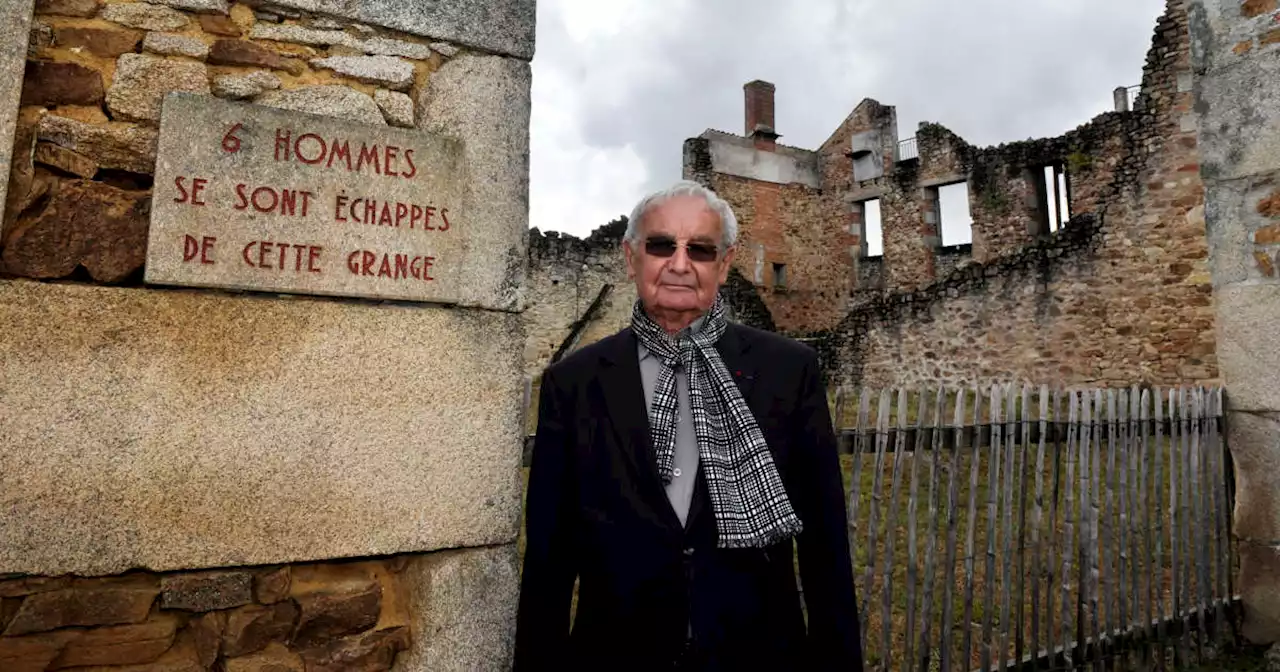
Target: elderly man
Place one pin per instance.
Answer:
(675, 465)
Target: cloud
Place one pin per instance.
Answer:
(619, 85)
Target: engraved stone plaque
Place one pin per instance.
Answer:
(257, 198)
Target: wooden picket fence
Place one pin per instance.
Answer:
(1023, 528)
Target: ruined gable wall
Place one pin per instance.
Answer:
(793, 225)
(1118, 298)
(785, 217)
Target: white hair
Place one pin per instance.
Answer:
(728, 222)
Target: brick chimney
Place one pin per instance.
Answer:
(759, 113)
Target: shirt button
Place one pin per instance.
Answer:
(677, 473)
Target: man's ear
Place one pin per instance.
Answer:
(726, 262)
(629, 255)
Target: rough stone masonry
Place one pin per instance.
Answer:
(254, 475)
(1236, 56)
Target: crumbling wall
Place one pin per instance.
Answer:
(1120, 296)
(566, 277)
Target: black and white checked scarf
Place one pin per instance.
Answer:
(747, 495)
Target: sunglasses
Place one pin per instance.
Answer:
(662, 246)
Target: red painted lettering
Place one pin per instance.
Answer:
(426, 268)
(275, 199)
(384, 271)
(244, 198)
(284, 251)
(197, 186)
(288, 202)
(413, 170)
(206, 249)
(368, 259)
(388, 160)
(427, 223)
(415, 268)
(283, 144)
(245, 253)
(415, 213)
(306, 202)
(370, 212)
(401, 211)
(385, 219)
(319, 157)
(340, 150)
(313, 254)
(230, 141)
(402, 266)
(193, 196)
(353, 262)
(339, 204)
(264, 248)
(203, 248)
(444, 214)
(368, 155)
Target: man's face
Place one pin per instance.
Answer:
(677, 264)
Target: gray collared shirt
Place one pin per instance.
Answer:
(680, 490)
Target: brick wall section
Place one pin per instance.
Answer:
(803, 229)
(1122, 296)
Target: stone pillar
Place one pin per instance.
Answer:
(255, 423)
(1237, 92)
(15, 25)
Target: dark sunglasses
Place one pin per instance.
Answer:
(662, 246)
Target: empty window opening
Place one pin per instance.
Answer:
(872, 230)
(955, 225)
(1054, 204)
(780, 276)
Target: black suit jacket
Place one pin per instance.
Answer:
(597, 511)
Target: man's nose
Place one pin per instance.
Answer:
(680, 260)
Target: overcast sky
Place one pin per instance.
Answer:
(619, 84)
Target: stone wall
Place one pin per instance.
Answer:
(310, 617)
(577, 291)
(1236, 56)
(1120, 295)
(200, 479)
(91, 103)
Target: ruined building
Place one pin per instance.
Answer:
(1086, 262)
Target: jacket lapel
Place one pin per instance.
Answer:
(623, 392)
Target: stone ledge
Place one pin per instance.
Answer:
(500, 26)
(139, 421)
